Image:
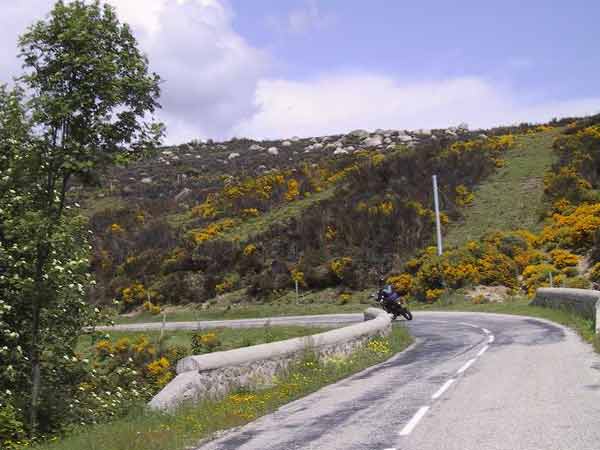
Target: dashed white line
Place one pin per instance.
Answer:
(414, 421)
(486, 331)
(466, 366)
(482, 351)
(443, 389)
(469, 324)
(491, 339)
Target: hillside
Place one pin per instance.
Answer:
(201, 220)
(511, 198)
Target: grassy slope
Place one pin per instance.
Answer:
(512, 197)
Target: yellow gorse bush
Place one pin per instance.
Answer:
(563, 258)
(338, 265)
(249, 250)
(213, 230)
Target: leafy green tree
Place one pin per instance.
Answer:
(86, 101)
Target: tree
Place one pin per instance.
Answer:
(89, 92)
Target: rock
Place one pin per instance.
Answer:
(450, 132)
(308, 148)
(405, 138)
(295, 139)
(424, 131)
(286, 144)
(390, 147)
(167, 153)
(387, 140)
(350, 148)
(338, 144)
(359, 133)
(331, 145)
(255, 147)
(341, 151)
(483, 136)
(273, 151)
(233, 156)
(183, 195)
(373, 141)
(146, 180)
(318, 146)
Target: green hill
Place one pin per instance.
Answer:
(512, 198)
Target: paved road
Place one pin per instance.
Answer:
(471, 382)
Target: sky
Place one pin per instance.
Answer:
(282, 68)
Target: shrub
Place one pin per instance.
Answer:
(577, 283)
(205, 343)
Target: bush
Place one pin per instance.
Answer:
(577, 283)
(205, 343)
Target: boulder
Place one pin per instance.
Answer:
(233, 156)
(341, 151)
(387, 140)
(273, 151)
(318, 146)
(373, 141)
(359, 133)
(183, 195)
(286, 144)
(146, 180)
(255, 147)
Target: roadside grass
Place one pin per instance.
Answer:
(512, 198)
(228, 338)
(517, 305)
(232, 306)
(147, 430)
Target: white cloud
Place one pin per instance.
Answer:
(342, 102)
(210, 72)
(308, 17)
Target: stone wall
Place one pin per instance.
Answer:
(584, 302)
(215, 374)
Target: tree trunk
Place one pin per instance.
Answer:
(35, 367)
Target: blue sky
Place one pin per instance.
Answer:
(543, 48)
(276, 68)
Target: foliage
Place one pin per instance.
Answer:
(205, 343)
(88, 91)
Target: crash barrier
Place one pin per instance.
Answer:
(215, 374)
(583, 302)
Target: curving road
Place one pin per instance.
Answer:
(470, 382)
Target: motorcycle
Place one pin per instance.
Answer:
(392, 305)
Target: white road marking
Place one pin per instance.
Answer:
(391, 448)
(466, 366)
(414, 421)
(486, 331)
(491, 339)
(443, 388)
(483, 350)
(468, 324)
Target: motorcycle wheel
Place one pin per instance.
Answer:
(407, 314)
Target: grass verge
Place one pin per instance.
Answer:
(227, 338)
(232, 306)
(518, 305)
(145, 430)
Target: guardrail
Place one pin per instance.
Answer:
(215, 374)
(584, 302)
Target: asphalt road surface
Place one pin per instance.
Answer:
(470, 382)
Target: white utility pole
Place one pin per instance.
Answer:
(438, 225)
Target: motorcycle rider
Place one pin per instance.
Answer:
(387, 292)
